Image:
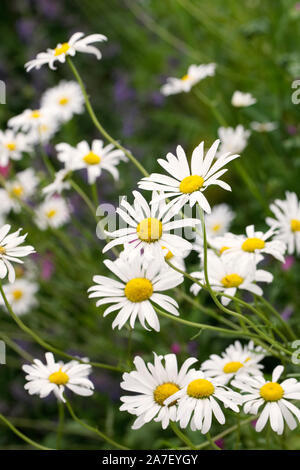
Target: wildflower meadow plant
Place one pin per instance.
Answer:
(180, 262)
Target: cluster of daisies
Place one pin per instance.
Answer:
(196, 397)
(233, 140)
(28, 132)
(152, 244)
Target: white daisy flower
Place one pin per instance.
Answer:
(241, 100)
(274, 397)
(94, 158)
(194, 74)
(12, 146)
(56, 377)
(235, 360)
(11, 251)
(66, 99)
(149, 229)
(263, 126)
(198, 402)
(66, 154)
(186, 184)
(140, 285)
(76, 43)
(59, 184)
(21, 188)
(218, 222)
(227, 274)
(287, 221)
(21, 296)
(44, 132)
(53, 212)
(251, 245)
(32, 120)
(233, 140)
(152, 385)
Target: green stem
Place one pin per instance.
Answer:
(277, 315)
(84, 197)
(22, 436)
(94, 430)
(211, 441)
(60, 429)
(182, 436)
(97, 123)
(46, 345)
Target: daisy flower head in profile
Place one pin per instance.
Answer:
(188, 182)
(152, 385)
(140, 285)
(229, 274)
(12, 146)
(148, 229)
(76, 43)
(274, 397)
(66, 99)
(194, 74)
(20, 189)
(11, 251)
(198, 401)
(251, 245)
(233, 140)
(177, 261)
(56, 377)
(263, 126)
(235, 360)
(287, 221)
(54, 212)
(242, 100)
(21, 295)
(59, 184)
(95, 158)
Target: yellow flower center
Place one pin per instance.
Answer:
(252, 244)
(2, 250)
(169, 254)
(200, 388)
(91, 158)
(295, 225)
(232, 367)
(61, 49)
(232, 280)
(51, 213)
(63, 101)
(189, 184)
(164, 391)
(149, 230)
(185, 77)
(17, 191)
(138, 289)
(17, 294)
(224, 248)
(59, 378)
(11, 145)
(216, 227)
(271, 391)
(35, 114)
